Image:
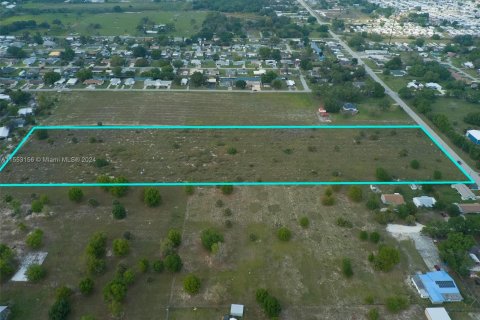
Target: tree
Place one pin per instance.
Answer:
(240, 84)
(378, 90)
(284, 234)
(173, 263)
(68, 54)
(197, 79)
(209, 237)
(84, 74)
(191, 284)
(177, 64)
(121, 247)
(115, 290)
(338, 24)
(35, 239)
(355, 193)
(269, 76)
(158, 266)
(7, 262)
(117, 61)
(97, 245)
(227, 189)
(347, 268)
(175, 237)
(86, 286)
(386, 258)
(20, 97)
(143, 265)
(269, 303)
(59, 310)
(454, 251)
(51, 77)
(119, 211)
(405, 93)
(16, 52)
(139, 52)
(35, 272)
(119, 190)
(75, 194)
(152, 197)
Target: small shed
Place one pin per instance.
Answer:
(236, 310)
(474, 136)
(437, 314)
(424, 201)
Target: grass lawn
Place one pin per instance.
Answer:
(125, 23)
(204, 155)
(309, 265)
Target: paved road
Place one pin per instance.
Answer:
(462, 72)
(397, 99)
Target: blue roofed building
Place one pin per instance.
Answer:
(474, 136)
(438, 286)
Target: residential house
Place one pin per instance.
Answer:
(466, 208)
(394, 199)
(437, 314)
(424, 201)
(437, 286)
(4, 132)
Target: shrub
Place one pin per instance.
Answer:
(396, 303)
(304, 222)
(437, 175)
(382, 175)
(355, 193)
(119, 191)
(341, 222)
(372, 203)
(173, 263)
(414, 164)
(101, 162)
(375, 237)
(158, 266)
(328, 200)
(37, 206)
(97, 245)
(41, 134)
(226, 190)
(363, 235)
(175, 237)
(189, 190)
(7, 262)
(209, 237)
(328, 191)
(35, 239)
(86, 286)
(119, 211)
(121, 247)
(63, 292)
(35, 272)
(96, 265)
(143, 265)
(152, 197)
(191, 284)
(347, 268)
(284, 234)
(269, 303)
(93, 203)
(232, 151)
(75, 194)
(373, 314)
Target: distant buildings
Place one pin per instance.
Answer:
(437, 286)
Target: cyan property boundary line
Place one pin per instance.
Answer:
(220, 183)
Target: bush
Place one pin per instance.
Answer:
(232, 151)
(209, 237)
(143, 265)
(284, 234)
(189, 190)
(86, 286)
(63, 292)
(437, 175)
(7, 262)
(414, 164)
(59, 310)
(41, 134)
(96, 265)
(328, 200)
(347, 268)
(119, 211)
(363, 235)
(75, 194)
(382, 175)
(396, 303)
(355, 193)
(304, 222)
(35, 239)
(173, 263)
(375, 237)
(93, 203)
(373, 203)
(101, 162)
(191, 284)
(152, 197)
(158, 266)
(97, 245)
(121, 247)
(119, 191)
(35, 272)
(341, 222)
(175, 237)
(226, 190)
(37, 206)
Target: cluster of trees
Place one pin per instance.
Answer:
(211, 238)
(21, 25)
(225, 28)
(457, 235)
(115, 291)
(95, 253)
(169, 246)
(61, 308)
(117, 191)
(230, 5)
(165, 73)
(270, 305)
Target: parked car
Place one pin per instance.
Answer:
(437, 267)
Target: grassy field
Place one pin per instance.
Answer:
(125, 23)
(194, 108)
(304, 273)
(206, 155)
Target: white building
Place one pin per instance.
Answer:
(424, 201)
(437, 314)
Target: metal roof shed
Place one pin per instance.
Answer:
(437, 314)
(236, 310)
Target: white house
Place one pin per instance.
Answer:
(424, 201)
(5, 97)
(4, 131)
(290, 83)
(129, 82)
(72, 82)
(115, 81)
(259, 72)
(25, 111)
